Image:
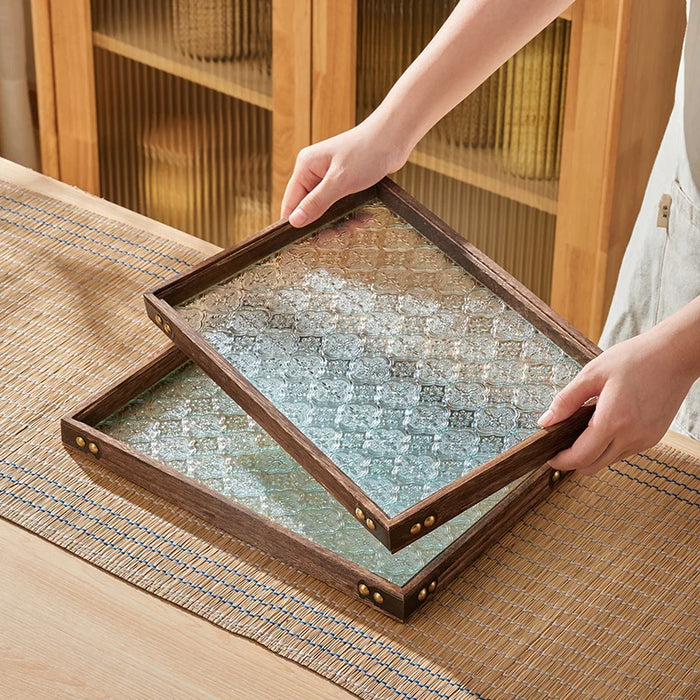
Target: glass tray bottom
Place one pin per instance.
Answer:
(188, 423)
(386, 354)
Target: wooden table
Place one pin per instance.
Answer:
(71, 630)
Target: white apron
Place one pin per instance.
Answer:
(660, 272)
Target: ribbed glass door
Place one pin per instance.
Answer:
(490, 168)
(184, 111)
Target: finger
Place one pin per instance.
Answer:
(317, 201)
(293, 194)
(573, 396)
(587, 449)
(300, 184)
(610, 456)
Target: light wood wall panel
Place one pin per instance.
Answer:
(74, 84)
(291, 89)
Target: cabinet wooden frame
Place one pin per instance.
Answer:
(397, 531)
(81, 436)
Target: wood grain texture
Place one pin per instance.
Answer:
(200, 500)
(266, 414)
(261, 532)
(334, 67)
(654, 40)
(46, 96)
(490, 274)
(291, 89)
(393, 532)
(71, 630)
(624, 59)
(74, 82)
(228, 262)
(233, 518)
(682, 443)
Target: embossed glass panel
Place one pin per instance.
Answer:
(190, 424)
(385, 353)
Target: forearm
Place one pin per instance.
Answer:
(477, 38)
(680, 336)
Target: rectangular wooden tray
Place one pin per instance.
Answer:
(357, 222)
(170, 396)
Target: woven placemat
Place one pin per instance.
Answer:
(595, 594)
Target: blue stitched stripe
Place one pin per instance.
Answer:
(220, 598)
(80, 247)
(664, 477)
(91, 239)
(94, 228)
(652, 486)
(263, 585)
(246, 577)
(670, 466)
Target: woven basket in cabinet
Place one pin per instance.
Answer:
(534, 104)
(223, 29)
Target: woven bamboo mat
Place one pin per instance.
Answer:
(595, 594)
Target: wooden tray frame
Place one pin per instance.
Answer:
(414, 522)
(80, 435)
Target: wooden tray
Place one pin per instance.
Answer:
(168, 428)
(401, 367)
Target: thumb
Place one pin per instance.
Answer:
(317, 201)
(583, 387)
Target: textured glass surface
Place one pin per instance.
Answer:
(391, 358)
(189, 423)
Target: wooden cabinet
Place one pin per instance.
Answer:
(132, 111)
(140, 106)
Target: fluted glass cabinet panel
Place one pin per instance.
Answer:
(184, 100)
(490, 167)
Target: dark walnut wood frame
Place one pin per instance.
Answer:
(80, 435)
(397, 531)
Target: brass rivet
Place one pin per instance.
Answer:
(158, 319)
(370, 523)
(166, 328)
(429, 521)
(432, 586)
(422, 594)
(415, 529)
(556, 475)
(80, 441)
(93, 448)
(359, 514)
(362, 588)
(378, 597)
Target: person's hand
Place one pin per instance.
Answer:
(640, 385)
(475, 40)
(346, 163)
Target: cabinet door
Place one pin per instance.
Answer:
(186, 111)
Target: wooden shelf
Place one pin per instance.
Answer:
(486, 171)
(144, 36)
(568, 13)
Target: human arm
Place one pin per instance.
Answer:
(476, 39)
(640, 384)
